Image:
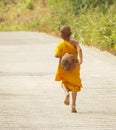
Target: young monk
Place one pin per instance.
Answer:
(71, 81)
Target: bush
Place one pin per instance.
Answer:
(93, 21)
(28, 4)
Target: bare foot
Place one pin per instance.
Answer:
(74, 109)
(67, 98)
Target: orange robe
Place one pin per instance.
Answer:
(70, 79)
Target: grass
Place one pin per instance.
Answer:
(92, 27)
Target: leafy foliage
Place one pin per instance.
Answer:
(79, 5)
(93, 22)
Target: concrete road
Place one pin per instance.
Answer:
(31, 100)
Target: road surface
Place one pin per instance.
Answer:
(30, 99)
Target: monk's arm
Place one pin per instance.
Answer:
(57, 56)
(80, 54)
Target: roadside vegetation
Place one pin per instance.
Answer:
(93, 22)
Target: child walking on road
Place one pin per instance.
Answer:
(70, 80)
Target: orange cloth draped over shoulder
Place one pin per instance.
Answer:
(70, 79)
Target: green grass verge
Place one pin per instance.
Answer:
(90, 27)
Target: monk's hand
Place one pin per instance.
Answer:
(78, 63)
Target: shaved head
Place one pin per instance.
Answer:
(66, 31)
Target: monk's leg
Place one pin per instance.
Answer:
(74, 96)
(67, 98)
